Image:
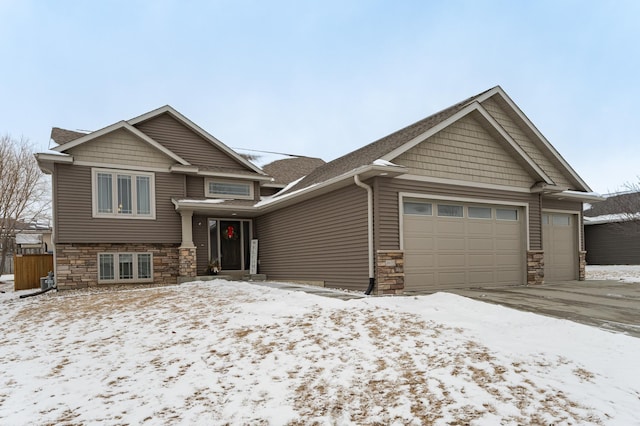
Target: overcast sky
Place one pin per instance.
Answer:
(322, 78)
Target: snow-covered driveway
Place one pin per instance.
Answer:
(234, 353)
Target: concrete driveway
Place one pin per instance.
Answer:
(610, 305)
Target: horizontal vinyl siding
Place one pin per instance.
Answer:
(73, 212)
(195, 187)
(322, 239)
(548, 203)
(201, 241)
(465, 151)
(187, 144)
(121, 147)
(613, 243)
(387, 212)
(525, 142)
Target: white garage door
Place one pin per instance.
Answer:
(449, 245)
(559, 242)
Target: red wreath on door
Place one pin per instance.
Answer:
(230, 232)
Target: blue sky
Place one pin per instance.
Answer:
(322, 78)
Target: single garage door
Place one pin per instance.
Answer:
(559, 242)
(452, 245)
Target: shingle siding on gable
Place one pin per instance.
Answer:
(75, 224)
(465, 151)
(526, 143)
(122, 148)
(185, 143)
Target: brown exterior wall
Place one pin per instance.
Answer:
(190, 146)
(73, 211)
(77, 264)
(613, 243)
(322, 239)
(386, 216)
(200, 233)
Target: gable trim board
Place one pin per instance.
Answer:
(499, 170)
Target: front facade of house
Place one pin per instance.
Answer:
(471, 195)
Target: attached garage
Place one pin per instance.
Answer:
(560, 244)
(450, 244)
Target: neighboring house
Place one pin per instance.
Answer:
(612, 230)
(471, 195)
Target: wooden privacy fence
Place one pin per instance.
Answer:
(29, 268)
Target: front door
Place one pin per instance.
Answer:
(229, 243)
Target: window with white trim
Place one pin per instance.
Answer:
(228, 189)
(507, 214)
(125, 267)
(123, 194)
(417, 208)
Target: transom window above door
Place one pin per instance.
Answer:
(228, 189)
(123, 194)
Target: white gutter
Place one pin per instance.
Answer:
(372, 277)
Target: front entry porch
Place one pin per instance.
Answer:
(215, 246)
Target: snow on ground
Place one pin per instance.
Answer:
(223, 352)
(624, 273)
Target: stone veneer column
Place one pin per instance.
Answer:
(187, 262)
(582, 266)
(535, 267)
(389, 272)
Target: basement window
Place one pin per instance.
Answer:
(125, 267)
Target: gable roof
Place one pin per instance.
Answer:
(62, 136)
(389, 147)
(287, 170)
(70, 139)
(119, 125)
(625, 203)
(198, 130)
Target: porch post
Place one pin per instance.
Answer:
(187, 250)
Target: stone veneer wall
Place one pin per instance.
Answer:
(389, 272)
(582, 266)
(535, 267)
(77, 264)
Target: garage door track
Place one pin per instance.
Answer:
(610, 305)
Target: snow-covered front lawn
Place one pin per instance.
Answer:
(236, 353)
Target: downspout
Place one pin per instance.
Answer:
(372, 279)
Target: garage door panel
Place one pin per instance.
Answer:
(447, 260)
(481, 277)
(448, 278)
(450, 243)
(421, 261)
(480, 244)
(480, 259)
(482, 228)
(445, 252)
(450, 227)
(413, 243)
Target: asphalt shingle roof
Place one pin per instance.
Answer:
(375, 150)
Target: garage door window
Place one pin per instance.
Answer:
(561, 220)
(479, 212)
(506, 214)
(445, 210)
(417, 208)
